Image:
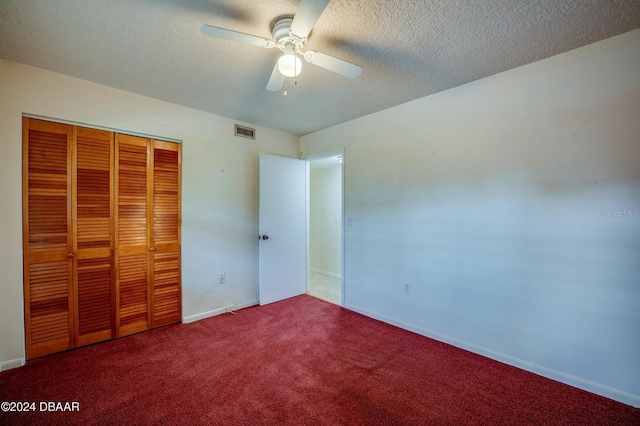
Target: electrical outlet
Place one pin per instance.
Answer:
(407, 288)
(222, 277)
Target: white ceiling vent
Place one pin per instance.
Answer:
(245, 132)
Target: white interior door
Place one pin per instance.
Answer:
(282, 228)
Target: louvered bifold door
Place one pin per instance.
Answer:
(165, 257)
(94, 288)
(132, 240)
(48, 253)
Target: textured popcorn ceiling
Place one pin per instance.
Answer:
(408, 49)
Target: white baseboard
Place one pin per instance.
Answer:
(223, 310)
(12, 363)
(328, 273)
(602, 390)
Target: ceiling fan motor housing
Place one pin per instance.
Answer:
(281, 29)
(282, 35)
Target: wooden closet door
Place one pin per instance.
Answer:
(165, 258)
(133, 236)
(47, 243)
(95, 298)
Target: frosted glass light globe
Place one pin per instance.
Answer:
(289, 65)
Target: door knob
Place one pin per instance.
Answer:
(151, 249)
(265, 237)
(70, 255)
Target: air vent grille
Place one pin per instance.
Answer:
(245, 132)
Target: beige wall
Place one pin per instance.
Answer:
(219, 187)
(512, 207)
(326, 219)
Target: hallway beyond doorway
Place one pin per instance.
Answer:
(325, 287)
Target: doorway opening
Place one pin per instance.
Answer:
(325, 227)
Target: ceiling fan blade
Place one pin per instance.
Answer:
(333, 64)
(276, 81)
(308, 13)
(215, 32)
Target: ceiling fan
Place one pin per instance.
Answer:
(290, 35)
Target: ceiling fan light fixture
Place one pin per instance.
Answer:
(290, 35)
(289, 65)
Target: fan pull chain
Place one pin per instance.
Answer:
(285, 87)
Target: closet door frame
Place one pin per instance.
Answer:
(163, 257)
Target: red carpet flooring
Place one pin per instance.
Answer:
(297, 362)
